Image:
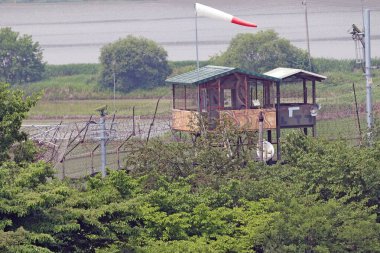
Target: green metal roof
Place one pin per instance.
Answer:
(211, 72)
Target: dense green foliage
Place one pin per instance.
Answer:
(262, 52)
(181, 197)
(13, 109)
(134, 62)
(20, 58)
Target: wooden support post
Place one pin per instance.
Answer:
(185, 98)
(199, 99)
(219, 95)
(256, 90)
(173, 92)
(246, 92)
(266, 90)
(154, 117)
(314, 103)
(304, 91)
(261, 123)
(278, 129)
(304, 99)
(269, 135)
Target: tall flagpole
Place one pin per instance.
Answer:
(196, 49)
(307, 34)
(367, 37)
(196, 35)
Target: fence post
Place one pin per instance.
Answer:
(103, 144)
(63, 168)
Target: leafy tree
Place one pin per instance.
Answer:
(334, 169)
(20, 58)
(13, 109)
(261, 52)
(180, 198)
(21, 196)
(136, 63)
(25, 151)
(306, 225)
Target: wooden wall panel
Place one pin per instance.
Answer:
(249, 119)
(185, 120)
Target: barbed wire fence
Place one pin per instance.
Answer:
(73, 147)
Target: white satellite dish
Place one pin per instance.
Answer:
(268, 150)
(314, 110)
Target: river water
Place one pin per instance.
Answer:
(74, 32)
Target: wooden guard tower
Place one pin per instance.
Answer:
(240, 95)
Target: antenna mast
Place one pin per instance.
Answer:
(304, 2)
(358, 37)
(365, 40)
(367, 33)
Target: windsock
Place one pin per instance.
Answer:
(206, 11)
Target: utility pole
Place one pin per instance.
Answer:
(304, 2)
(367, 37)
(103, 139)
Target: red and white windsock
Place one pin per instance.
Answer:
(206, 11)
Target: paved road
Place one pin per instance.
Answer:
(74, 32)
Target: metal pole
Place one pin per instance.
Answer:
(197, 55)
(367, 34)
(114, 90)
(114, 85)
(196, 36)
(307, 34)
(103, 143)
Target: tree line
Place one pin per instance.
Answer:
(137, 62)
(184, 197)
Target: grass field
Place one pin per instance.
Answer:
(73, 108)
(86, 87)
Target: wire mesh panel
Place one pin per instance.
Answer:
(191, 98)
(293, 93)
(179, 97)
(185, 97)
(339, 117)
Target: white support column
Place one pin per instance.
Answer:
(367, 34)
